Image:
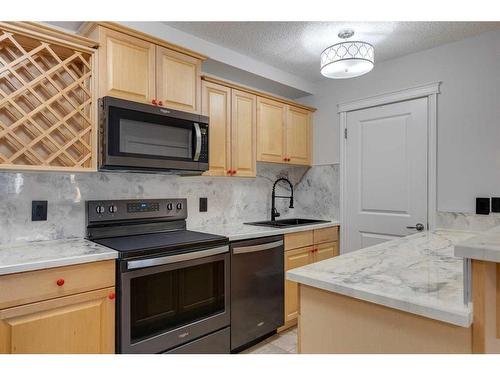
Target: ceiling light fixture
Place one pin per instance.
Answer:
(347, 59)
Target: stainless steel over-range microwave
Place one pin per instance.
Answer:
(141, 137)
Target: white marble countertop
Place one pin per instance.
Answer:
(418, 274)
(485, 246)
(240, 231)
(37, 255)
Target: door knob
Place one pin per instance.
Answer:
(420, 227)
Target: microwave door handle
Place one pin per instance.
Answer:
(198, 142)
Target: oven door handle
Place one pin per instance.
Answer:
(151, 262)
(254, 248)
(198, 142)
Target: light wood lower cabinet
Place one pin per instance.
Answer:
(81, 321)
(293, 259)
(232, 138)
(301, 249)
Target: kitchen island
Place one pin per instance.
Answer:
(403, 296)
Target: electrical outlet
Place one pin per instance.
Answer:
(483, 206)
(203, 205)
(38, 210)
(495, 204)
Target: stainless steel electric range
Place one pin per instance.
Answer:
(172, 283)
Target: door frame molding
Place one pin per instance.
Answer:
(429, 91)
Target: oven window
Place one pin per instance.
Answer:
(164, 301)
(145, 138)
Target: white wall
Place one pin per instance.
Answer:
(468, 113)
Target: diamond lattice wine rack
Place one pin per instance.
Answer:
(46, 102)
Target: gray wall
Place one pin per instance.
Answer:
(468, 113)
(230, 200)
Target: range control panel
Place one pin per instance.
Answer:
(130, 209)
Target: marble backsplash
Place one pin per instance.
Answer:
(229, 199)
(467, 221)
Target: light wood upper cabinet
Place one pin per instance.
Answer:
(232, 143)
(243, 134)
(283, 133)
(271, 117)
(141, 68)
(298, 136)
(83, 323)
(126, 67)
(178, 80)
(216, 105)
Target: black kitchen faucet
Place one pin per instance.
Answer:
(274, 211)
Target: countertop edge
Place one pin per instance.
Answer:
(47, 264)
(268, 231)
(450, 317)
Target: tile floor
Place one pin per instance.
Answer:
(282, 343)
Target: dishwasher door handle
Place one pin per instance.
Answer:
(255, 248)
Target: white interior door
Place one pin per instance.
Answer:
(385, 172)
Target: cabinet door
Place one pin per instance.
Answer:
(82, 323)
(127, 67)
(178, 80)
(216, 104)
(271, 116)
(325, 251)
(298, 136)
(293, 259)
(243, 133)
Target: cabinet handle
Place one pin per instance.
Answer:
(229, 172)
(234, 172)
(111, 295)
(154, 102)
(60, 282)
(160, 103)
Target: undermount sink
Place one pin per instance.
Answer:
(286, 222)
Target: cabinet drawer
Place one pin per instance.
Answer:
(298, 239)
(27, 287)
(326, 235)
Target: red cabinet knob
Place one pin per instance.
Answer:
(160, 103)
(60, 282)
(233, 172)
(229, 172)
(154, 102)
(112, 295)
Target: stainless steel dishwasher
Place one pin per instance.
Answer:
(257, 289)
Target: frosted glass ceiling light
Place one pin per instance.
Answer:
(347, 59)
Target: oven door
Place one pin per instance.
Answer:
(145, 137)
(163, 306)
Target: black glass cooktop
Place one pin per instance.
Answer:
(165, 242)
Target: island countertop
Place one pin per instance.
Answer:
(38, 255)
(485, 246)
(418, 274)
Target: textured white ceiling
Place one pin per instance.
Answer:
(295, 46)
